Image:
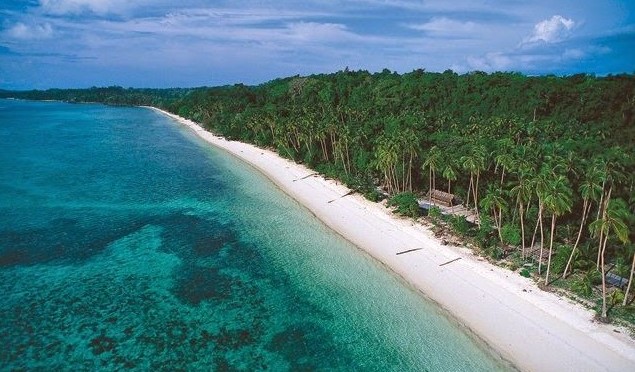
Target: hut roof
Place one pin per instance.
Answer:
(441, 195)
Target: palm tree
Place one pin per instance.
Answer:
(386, 160)
(480, 157)
(522, 190)
(449, 173)
(611, 170)
(539, 184)
(557, 200)
(475, 163)
(410, 144)
(613, 217)
(590, 190)
(504, 159)
(495, 202)
(340, 147)
(432, 161)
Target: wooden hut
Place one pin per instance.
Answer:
(442, 198)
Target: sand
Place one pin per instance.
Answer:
(532, 329)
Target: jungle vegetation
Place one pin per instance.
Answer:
(547, 162)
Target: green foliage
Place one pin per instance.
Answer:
(328, 170)
(434, 213)
(373, 195)
(460, 225)
(511, 234)
(485, 234)
(494, 251)
(405, 204)
(583, 286)
(524, 272)
(559, 260)
(626, 313)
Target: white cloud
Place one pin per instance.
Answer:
(552, 30)
(23, 31)
(542, 47)
(101, 7)
(208, 27)
(443, 26)
(490, 62)
(318, 32)
(237, 16)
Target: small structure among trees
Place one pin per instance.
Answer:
(616, 281)
(438, 197)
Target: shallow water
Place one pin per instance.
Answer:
(127, 242)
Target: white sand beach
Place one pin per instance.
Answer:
(532, 329)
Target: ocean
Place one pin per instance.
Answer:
(126, 242)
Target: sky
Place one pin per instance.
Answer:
(187, 43)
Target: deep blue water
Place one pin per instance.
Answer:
(128, 243)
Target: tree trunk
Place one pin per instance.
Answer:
(394, 177)
(542, 238)
(533, 237)
(500, 224)
(475, 189)
(630, 281)
(348, 159)
(404, 175)
(553, 228)
(469, 190)
(430, 188)
(585, 209)
(604, 205)
(410, 172)
(606, 238)
(522, 231)
(434, 179)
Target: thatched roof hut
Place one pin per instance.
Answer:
(442, 198)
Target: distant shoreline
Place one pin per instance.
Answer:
(532, 329)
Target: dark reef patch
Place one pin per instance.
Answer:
(63, 239)
(191, 236)
(308, 347)
(102, 344)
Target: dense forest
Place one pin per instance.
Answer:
(542, 161)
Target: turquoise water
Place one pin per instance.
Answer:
(128, 243)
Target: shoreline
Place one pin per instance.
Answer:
(530, 328)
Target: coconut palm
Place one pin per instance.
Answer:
(539, 184)
(557, 201)
(504, 159)
(386, 161)
(433, 159)
(449, 173)
(590, 190)
(495, 202)
(475, 163)
(522, 191)
(612, 171)
(410, 144)
(613, 222)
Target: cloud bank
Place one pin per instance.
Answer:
(552, 30)
(160, 43)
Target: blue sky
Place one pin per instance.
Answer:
(166, 43)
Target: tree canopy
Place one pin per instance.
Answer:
(519, 149)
